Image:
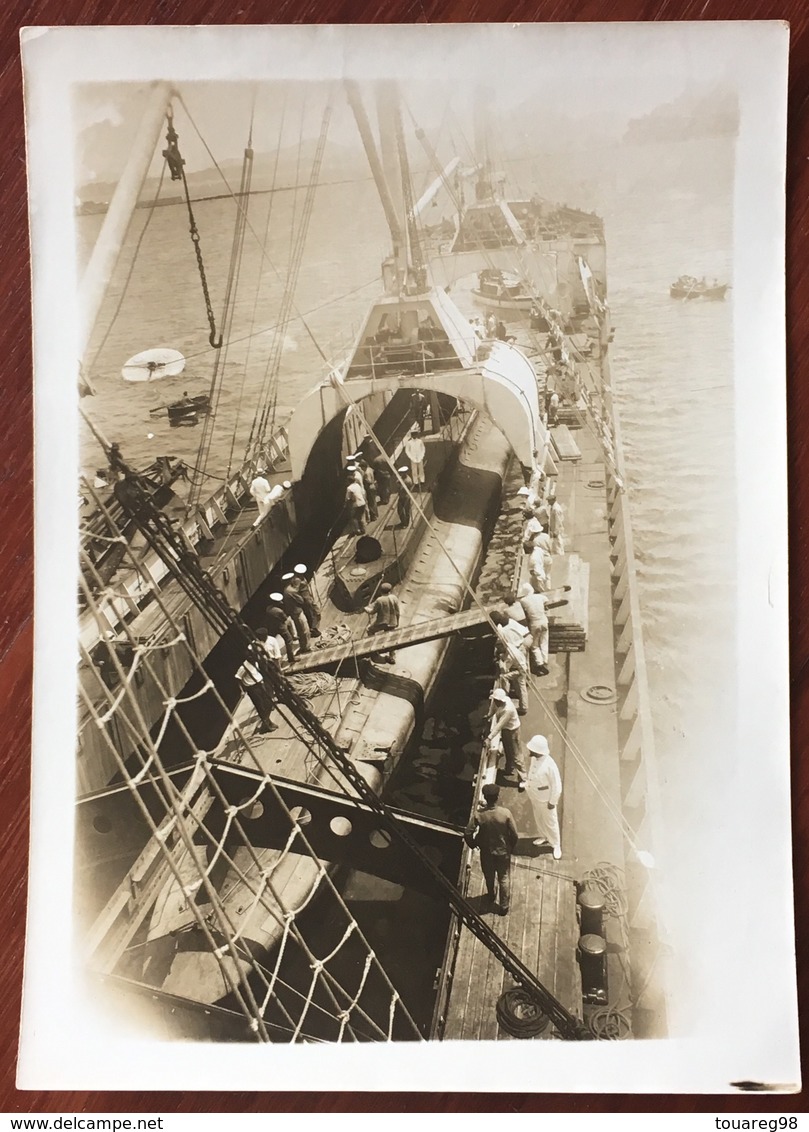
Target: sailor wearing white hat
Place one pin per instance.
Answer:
(294, 607)
(310, 607)
(414, 447)
(505, 728)
(264, 495)
(536, 618)
(280, 624)
(403, 502)
(544, 789)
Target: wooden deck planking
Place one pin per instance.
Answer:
(547, 957)
(541, 929)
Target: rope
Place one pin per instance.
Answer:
(150, 213)
(519, 1015)
(287, 918)
(264, 253)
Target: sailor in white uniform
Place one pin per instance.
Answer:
(544, 788)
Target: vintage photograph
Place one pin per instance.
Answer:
(408, 491)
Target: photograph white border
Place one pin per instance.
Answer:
(749, 1031)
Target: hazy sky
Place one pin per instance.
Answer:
(615, 75)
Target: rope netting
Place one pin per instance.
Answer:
(251, 924)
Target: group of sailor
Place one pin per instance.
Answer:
(370, 484)
(291, 619)
(522, 648)
(494, 832)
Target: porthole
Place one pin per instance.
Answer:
(340, 826)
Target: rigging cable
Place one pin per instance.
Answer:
(264, 252)
(267, 415)
(259, 283)
(231, 290)
(151, 208)
(297, 830)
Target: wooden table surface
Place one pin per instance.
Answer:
(16, 550)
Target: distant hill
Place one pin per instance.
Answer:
(711, 114)
(291, 166)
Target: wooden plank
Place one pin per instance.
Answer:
(416, 633)
(545, 956)
(481, 976)
(462, 981)
(566, 447)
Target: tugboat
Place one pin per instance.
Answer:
(689, 287)
(502, 290)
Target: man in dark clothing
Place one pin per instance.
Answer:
(418, 407)
(404, 501)
(493, 832)
(280, 624)
(385, 611)
(310, 606)
(369, 484)
(295, 607)
(381, 478)
(252, 682)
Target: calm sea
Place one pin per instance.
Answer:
(667, 209)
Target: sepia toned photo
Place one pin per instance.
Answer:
(404, 417)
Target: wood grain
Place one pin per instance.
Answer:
(16, 550)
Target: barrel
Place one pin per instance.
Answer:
(591, 906)
(592, 953)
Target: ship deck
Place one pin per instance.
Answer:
(541, 926)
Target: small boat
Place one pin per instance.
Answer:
(502, 289)
(185, 412)
(687, 287)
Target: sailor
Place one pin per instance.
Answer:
(553, 409)
(264, 495)
(403, 502)
(544, 788)
(252, 682)
(491, 325)
(512, 644)
(294, 608)
(416, 451)
(281, 624)
(536, 618)
(310, 606)
(543, 539)
(355, 503)
(531, 529)
(505, 729)
(556, 527)
(418, 407)
(382, 477)
(537, 572)
(502, 333)
(270, 645)
(369, 487)
(477, 329)
(386, 611)
(494, 832)
(353, 470)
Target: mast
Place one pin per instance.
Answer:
(386, 97)
(392, 277)
(110, 240)
(484, 188)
